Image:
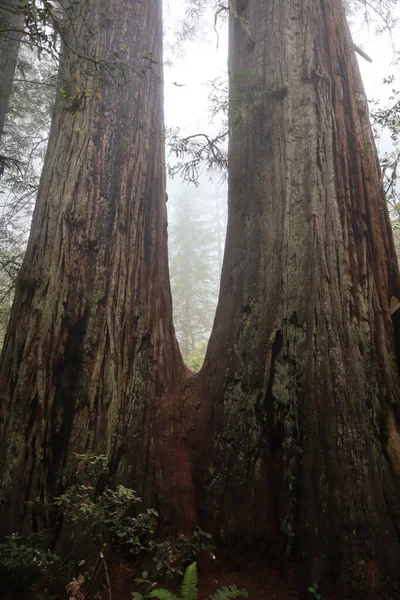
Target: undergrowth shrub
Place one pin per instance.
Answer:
(110, 523)
(26, 557)
(109, 514)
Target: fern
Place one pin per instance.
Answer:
(189, 589)
(227, 593)
(162, 595)
(189, 583)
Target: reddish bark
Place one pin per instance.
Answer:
(90, 353)
(288, 439)
(300, 386)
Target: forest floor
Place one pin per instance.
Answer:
(260, 578)
(250, 573)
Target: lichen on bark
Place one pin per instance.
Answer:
(310, 252)
(90, 353)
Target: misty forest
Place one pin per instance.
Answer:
(199, 299)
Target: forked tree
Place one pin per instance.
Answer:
(288, 439)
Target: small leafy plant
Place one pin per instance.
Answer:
(315, 591)
(110, 512)
(170, 559)
(146, 583)
(25, 557)
(189, 589)
(188, 549)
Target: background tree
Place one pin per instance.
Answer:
(386, 123)
(25, 139)
(11, 22)
(196, 234)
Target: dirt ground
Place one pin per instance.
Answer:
(260, 581)
(257, 575)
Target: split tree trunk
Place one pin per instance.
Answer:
(300, 386)
(292, 425)
(11, 23)
(90, 353)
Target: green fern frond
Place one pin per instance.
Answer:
(162, 594)
(189, 584)
(228, 593)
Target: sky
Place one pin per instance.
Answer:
(206, 58)
(201, 61)
(186, 104)
(382, 49)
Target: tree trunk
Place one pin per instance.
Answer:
(11, 22)
(298, 397)
(300, 376)
(90, 353)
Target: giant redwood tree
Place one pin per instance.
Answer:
(90, 352)
(300, 384)
(288, 439)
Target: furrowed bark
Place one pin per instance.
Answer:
(90, 355)
(300, 379)
(291, 429)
